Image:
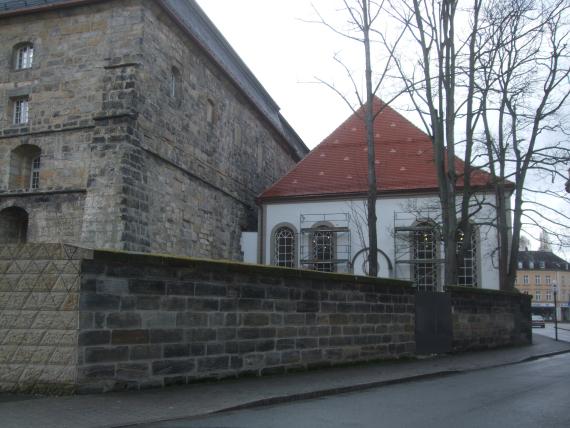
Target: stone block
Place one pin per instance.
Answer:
(189, 319)
(132, 371)
(176, 350)
(98, 302)
(166, 335)
(128, 337)
(139, 286)
(212, 364)
(145, 352)
(205, 289)
(158, 319)
(169, 367)
(94, 337)
(106, 355)
(123, 320)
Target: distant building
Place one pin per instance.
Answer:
(132, 124)
(315, 216)
(537, 272)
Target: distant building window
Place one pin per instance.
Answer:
(537, 279)
(20, 110)
(547, 280)
(284, 247)
(541, 264)
(537, 296)
(548, 296)
(531, 265)
(525, 279)
(520, 265)
(23, 56)
(563, 280)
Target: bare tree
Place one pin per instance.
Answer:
(362, 15)
(524, 85)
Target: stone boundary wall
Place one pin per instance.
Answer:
(150, 321)
(486, 319)
(39, 318)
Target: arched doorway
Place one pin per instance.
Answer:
(13, 225)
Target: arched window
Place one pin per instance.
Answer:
(23, 56)
(210, 111)
(467, 259)
(13, 225)
(323, 249)
(425, 255)
(175, 84)
(25, 163)
(284, 247)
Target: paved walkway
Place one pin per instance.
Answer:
(124, 409)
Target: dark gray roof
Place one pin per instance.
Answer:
(541, 260)
(199, 27)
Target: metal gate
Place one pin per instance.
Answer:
(433, 322)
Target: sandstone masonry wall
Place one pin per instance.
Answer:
(125, 164)
(485, 319)
(153, 321)
(39, 317)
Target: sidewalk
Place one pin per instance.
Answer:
(123, 409)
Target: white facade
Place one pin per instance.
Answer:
(394, 213)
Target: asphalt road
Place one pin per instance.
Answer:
(533, 394)
(563, 331)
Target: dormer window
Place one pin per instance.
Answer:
(541, 264)
(23, 56)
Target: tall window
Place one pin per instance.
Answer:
(525, 279)
(25, 164)
(20, 110)
(547, 280)
(548, 295)
(537, 279)
(175, 83)
(23, 56)
(35, 173)
(323, 249)
(537, 295)
(467, 268)
(284, 247)
(425, 253)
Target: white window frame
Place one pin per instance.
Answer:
(525, 279)
(21, 107)
(284, 246)
(537, 279)
(537, 295)
(547, 279)
(24, 57)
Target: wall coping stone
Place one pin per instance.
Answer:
(472, 290)
(165, 260)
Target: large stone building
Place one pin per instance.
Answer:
(131, 124)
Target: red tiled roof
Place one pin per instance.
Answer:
(338, 165)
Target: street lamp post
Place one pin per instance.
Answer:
(555, 291)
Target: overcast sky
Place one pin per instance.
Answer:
(287, 54)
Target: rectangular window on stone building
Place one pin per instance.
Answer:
(537, 296)
(547, 279)
(525, 279)
(20, 109)
(537, 279)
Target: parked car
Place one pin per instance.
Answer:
(538, 321)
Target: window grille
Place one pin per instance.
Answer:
(35, 175)
(20, 111)
(323, 249)
(467, 270)
(425, 251)
(284, 253)
(24, 57)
